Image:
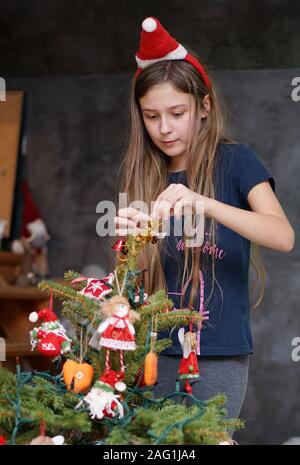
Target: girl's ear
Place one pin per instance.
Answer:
(206, 106)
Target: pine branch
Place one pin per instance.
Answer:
(62, 292)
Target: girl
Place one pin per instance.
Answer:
(179, 155)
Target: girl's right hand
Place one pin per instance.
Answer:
(130, 221)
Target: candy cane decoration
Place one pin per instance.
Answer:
(107, 360)
(122, 365)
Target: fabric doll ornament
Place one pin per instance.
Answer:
(156, 44)
(102, 400)
(188, 368)
(116, 332)
(50, 338)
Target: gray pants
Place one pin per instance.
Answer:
(225, 375)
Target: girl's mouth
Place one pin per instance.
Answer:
(170, 142)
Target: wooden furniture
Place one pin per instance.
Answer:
(16, 303)
(10, 131)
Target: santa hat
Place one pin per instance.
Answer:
(156, 44)
(45, 316)
(111, 380)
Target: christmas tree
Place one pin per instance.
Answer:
(98, 389)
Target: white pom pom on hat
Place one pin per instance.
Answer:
(149, 24)
(120, 386)
(33, 317)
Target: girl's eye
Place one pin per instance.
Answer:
(177, 115)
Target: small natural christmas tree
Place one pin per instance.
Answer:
(61, 399)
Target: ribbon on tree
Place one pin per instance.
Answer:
(204, 313)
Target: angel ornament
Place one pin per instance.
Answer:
(116, 332)
(188, 368)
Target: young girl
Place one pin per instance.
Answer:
(178, 155)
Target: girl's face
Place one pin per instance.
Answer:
(168, 115)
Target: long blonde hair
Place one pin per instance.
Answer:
(144, 169)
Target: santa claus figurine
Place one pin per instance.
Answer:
(50, 338)
(188, 368)
(102, 399)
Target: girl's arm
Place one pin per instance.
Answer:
(266, 224)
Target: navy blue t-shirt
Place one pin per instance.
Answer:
(227, 331)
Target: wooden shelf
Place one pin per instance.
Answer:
(16, 303)
(19, 348)
(10, 267)
(11, 259)
(21, 293)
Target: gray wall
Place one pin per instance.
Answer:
(60, 37)
(64, 56)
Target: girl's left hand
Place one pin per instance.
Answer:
(178, 199)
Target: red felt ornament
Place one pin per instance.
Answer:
(49, 345)
(121, 249)
(50, 338)
(188, 368)
(96, 289)
(120, 246)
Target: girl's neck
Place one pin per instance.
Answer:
(176, 167)
(175, 171)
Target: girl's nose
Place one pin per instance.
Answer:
(165, 127)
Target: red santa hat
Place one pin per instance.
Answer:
(44, 316)
(110, 380)
(156, 44)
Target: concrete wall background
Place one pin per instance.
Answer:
(62, 37)
(63, 56)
